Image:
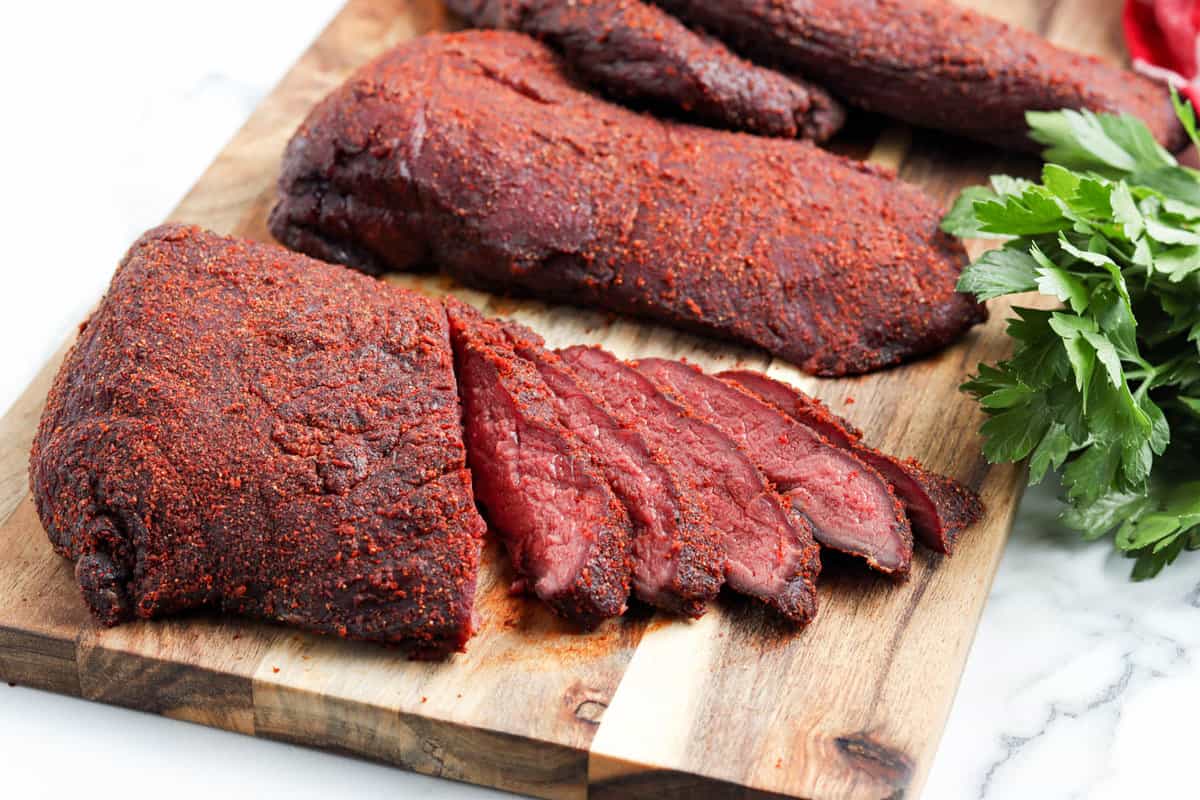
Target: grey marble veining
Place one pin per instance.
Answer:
(1080, 683)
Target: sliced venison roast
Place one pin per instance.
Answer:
(938, 507)
(567, 534)
(678, 561)
(851, 507)
(809, 410)
(770, 553)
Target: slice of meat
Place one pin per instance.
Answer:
(851, 507)
(635, 51)
(678, 560)
(940, 508)
(246, 430)
(771, 553)
(477, 152)
(809, 410)
(565, 531)
(932, 63)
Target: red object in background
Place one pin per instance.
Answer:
(1163, 37)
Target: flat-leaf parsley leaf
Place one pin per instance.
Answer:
(1106, 387)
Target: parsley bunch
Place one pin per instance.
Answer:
(1107, 386)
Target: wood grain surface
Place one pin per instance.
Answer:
(732, 705)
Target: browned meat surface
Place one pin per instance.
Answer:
(244, 429)
(567, 535)
(939, 508)
(678, 562)
(932, 63)
(850, 505)
(635, 51)
(473, 151)
(770, 553)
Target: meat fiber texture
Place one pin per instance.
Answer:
(475, 152)
(678, 560)
(564, 529)
(770, 553)
(850, 505)
(243, 429)
(636, 52)
(938, 507)
(932, 63)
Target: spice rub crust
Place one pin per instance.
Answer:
(244, 429)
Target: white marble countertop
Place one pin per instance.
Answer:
(1080, 683)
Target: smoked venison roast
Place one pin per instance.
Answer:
(634, 51)
(244, 429)
(475, 152)
(932, 63)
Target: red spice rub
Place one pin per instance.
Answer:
(475, 152)
(565, 531)
(635, 51)
(932, 63)
(244, 429)
(938, 507)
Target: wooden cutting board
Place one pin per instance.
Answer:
(729, 706)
